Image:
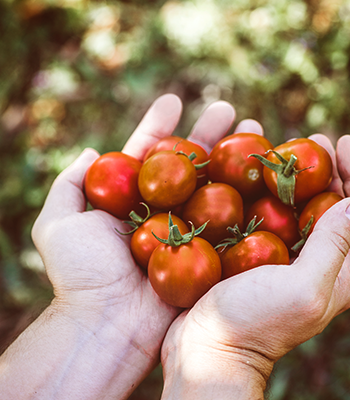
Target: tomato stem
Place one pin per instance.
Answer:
(286, 175)
(289, 168)
(238, 235)
(199, 166)
(175, 237)
(136, 220)
(191, 157)
(304, 235)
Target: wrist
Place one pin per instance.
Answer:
(119, 321)
(111, 328)
(195, 371)
(110, 344)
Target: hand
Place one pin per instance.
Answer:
(227, 344)
(95, 279)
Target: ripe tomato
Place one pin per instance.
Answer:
(316, 207)
(258, 248)
(143, 241)
(229, 163)
(167, 179)
(278, 219)
(219, 203)
(182, 275)
(188, 147)
(110, 184)
(309, 182)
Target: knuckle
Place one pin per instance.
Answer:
(313, 305)
(340, 242)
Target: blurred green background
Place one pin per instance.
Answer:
(77, 73)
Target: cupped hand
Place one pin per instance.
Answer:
(244, 324)
(89, 264)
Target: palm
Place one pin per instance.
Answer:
(95, 256)
(98, 265)
(251, 311)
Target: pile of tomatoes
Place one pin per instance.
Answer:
(197, 218)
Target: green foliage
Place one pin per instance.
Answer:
(76, 74)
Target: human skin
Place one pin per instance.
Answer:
(102, 333)
(227, 344)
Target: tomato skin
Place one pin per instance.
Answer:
(309, 182)
(316, 207)
(182, 275)
(111, 184)
(143, 242)
(167, 179)
(229, 163)
(279, 219)
(258, 248)
(219, 203)
(185, 145)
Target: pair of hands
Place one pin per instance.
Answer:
(243, 325)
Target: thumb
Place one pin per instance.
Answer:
(325, 250)
(66, 194)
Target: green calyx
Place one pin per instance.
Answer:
(136, 220)
(191, 157)
(304, 235)
(238, 235)
(286, 173)
(175, 237)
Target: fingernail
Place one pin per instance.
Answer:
(249, 125)
(168, 104)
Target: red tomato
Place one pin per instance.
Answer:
(316, 207)
(182, 275)
(167, 179)
(143, 242)
(278, 219)
(258, 248)
(309, 182)
(219, 203)
(188, 147)
(110, 184)
(229, 163)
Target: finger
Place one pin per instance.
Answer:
(343, 162)
(159, 121)
(325, 250)
(336, 184)
(66, 194)
(251, 126)
(213, 124)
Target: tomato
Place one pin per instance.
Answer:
(111, 184)
(258, 248)
(182, 275)
(143, 241)
(316, 207)
(188, 147)
(308, 182)
(229, 163)
(279, 219)
(219, 203)
(167, 179)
